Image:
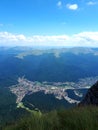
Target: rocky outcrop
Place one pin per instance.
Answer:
(91, 97)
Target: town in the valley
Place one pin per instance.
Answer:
(25, 87)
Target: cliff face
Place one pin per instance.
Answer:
(91, 97)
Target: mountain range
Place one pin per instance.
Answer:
(63, 75)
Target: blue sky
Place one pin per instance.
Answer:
(49, 22)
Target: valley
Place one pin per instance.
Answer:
(60, 90)
(44, 79)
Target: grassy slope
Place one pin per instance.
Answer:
(83, 118)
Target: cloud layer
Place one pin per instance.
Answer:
(86, 39)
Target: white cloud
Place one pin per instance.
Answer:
(92, 3)
(12, 39)
(89, 39)
(59, 4)
(72, 6)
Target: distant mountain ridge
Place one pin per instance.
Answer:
(57, 51)
(47, 64)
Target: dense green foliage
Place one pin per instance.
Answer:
(7, 104)
(8, 107)
(45, 102)
(85, 118)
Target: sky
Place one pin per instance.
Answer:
(49, 23)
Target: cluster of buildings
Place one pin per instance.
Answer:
(25, 87)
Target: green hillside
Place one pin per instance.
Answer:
(47, 65)
(80, 118)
